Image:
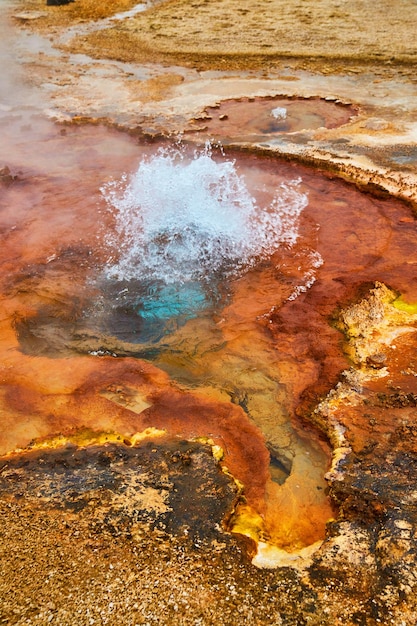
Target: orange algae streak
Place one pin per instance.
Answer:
(103, 394)
(243, 444)
(296, 513)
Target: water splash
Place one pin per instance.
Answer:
(181, 219)
(185, 225)
(279, 113)
(315, 261)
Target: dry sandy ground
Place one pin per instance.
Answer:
(257, 33)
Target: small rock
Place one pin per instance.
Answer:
(6, 177)
(376, 361)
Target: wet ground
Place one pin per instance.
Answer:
(308, 358)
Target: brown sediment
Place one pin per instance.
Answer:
(376, 150)
(125, 485)
(261, 36)
(265, 33)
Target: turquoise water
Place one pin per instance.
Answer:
(165, 307)
(162, 302)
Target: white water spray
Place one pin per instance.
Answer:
(279, 113)
(182, 219)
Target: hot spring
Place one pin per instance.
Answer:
(185, 226)
(189, 290)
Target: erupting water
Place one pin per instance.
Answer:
(185, 223)
(182, 219)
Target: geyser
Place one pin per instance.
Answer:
(186, 223)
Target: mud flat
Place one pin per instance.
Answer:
(124, 516)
